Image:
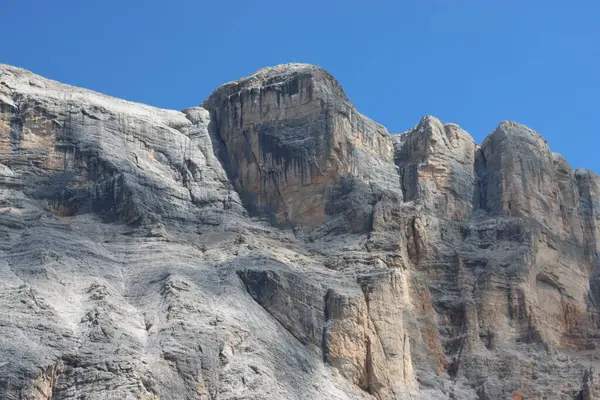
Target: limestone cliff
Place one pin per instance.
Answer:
(290, 140)
(275, 243)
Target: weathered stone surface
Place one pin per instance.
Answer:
(591, 387)
(436, 167)
(289, 135)
(145, 253)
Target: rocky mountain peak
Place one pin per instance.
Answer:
(290, 138)
(516, 132)
(285, 78)
(276, 243)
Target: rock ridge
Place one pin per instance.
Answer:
(273, 242)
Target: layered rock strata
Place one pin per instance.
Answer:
(275, 243)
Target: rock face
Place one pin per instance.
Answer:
(275, 243)
(290, 139)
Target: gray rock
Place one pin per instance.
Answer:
(275, 243)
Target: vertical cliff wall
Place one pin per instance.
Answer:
(290, 139)
(275, 243)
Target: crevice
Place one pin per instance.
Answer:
(327, 325)
(368, 368)
(402, 183)
(454, 366)
(480, 195)
(17, 123)
(372, 386)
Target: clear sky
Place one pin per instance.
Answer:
(474, 63)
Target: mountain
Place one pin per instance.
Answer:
(274, 243)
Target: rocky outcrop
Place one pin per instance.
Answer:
(275, 243)
(290, 139)
(436, 161)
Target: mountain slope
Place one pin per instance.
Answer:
(275, 243)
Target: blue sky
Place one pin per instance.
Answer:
(474, 63)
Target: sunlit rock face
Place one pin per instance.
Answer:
(275, 243)
(290, 139)
(435, 162)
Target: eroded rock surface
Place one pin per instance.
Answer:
(275, 243)
(290, 140)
